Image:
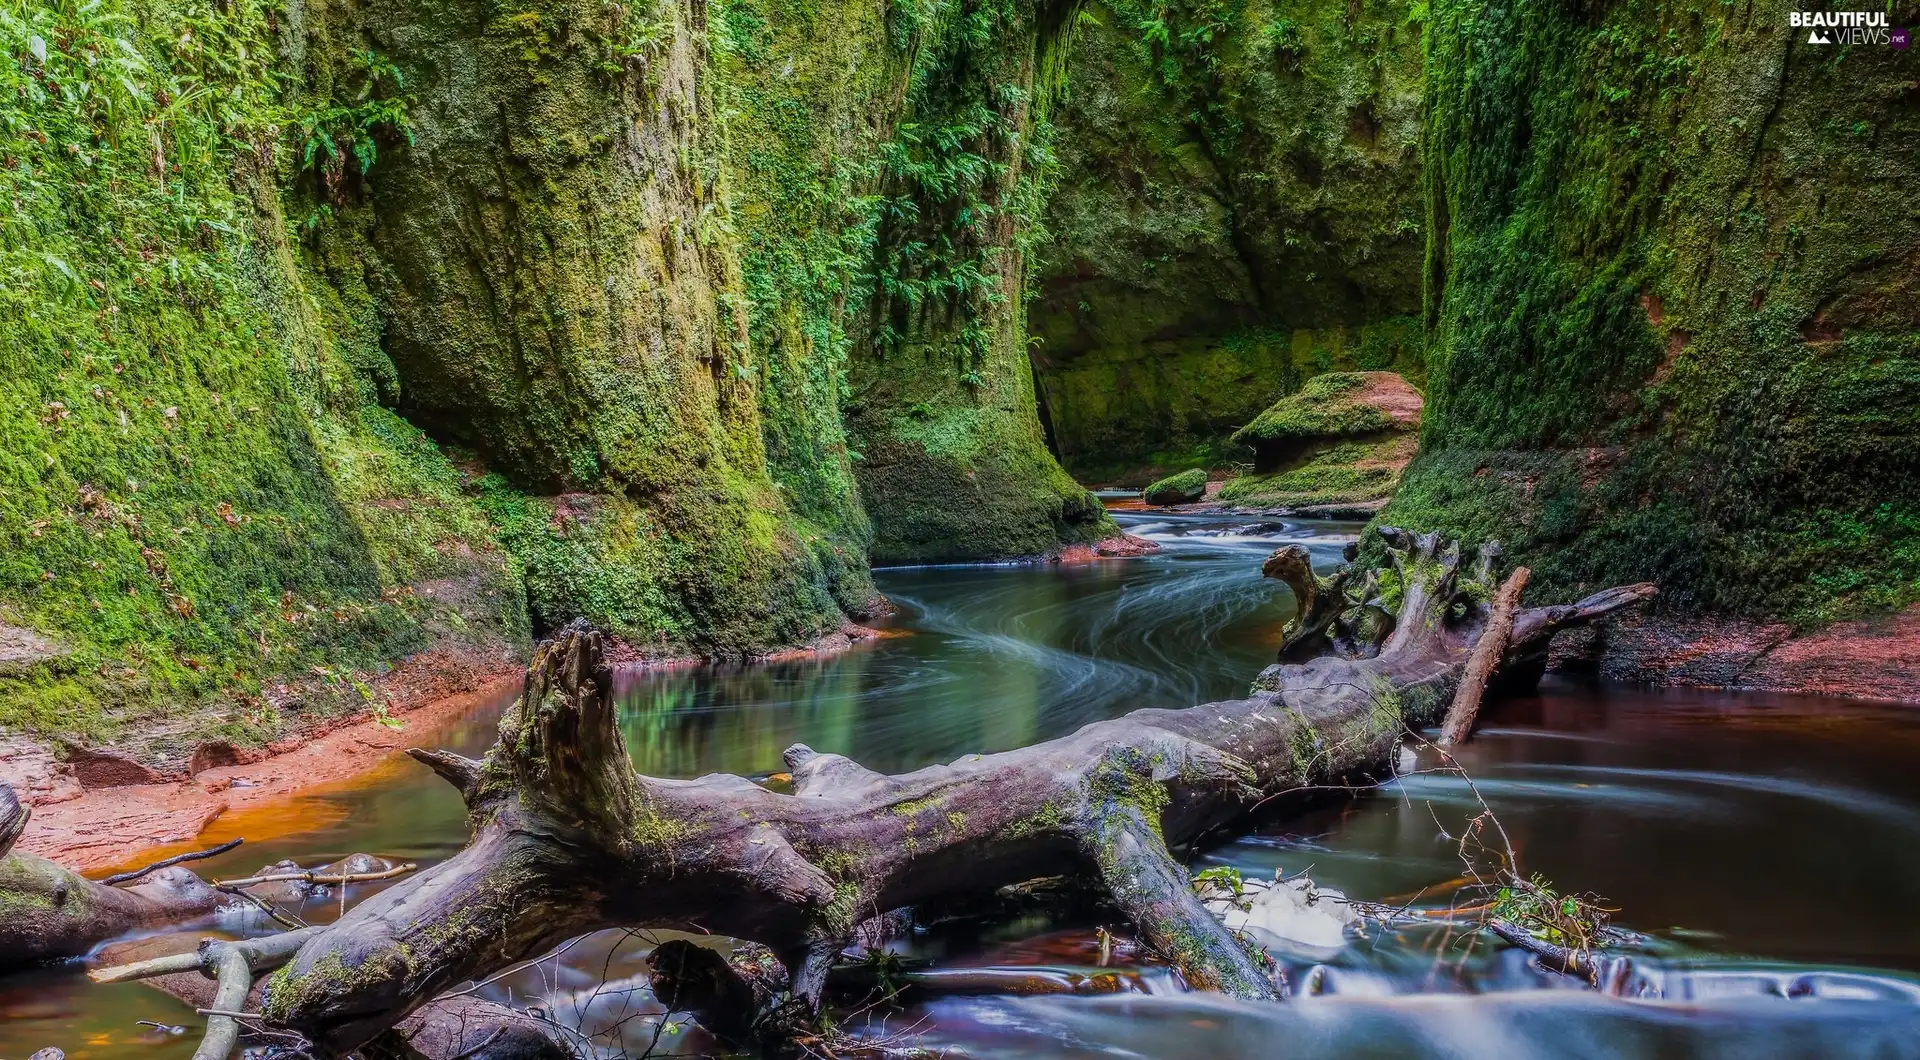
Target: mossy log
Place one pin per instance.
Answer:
(568, 839)
(49, 913)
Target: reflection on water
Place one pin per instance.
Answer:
(996, 657)
(1767, 846)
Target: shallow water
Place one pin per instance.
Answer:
(1767, 846)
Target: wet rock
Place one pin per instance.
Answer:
(1285, 914)
(36, 776)
(1124, 545)
(1337, 445)
(217, 754)
(1866, 659)
(22, 649)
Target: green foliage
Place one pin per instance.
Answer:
(1575, 921)
(331, 135)
(941, 400)
(1224, 877)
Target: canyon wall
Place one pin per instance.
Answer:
(1243, 212)
(1672, 265)
(208, 522)
(345, 334)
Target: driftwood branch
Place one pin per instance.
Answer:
(262, 955)
(318, 877)
(1553, 957)
(569, 839)
(1487, 654)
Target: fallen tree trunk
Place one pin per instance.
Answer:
(48, 912)
(568, 839)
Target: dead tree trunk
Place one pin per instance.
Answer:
(13, 819)
(568, 839)
(1487, 654)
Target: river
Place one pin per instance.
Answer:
(1766, 846)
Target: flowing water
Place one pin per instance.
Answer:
(1767, 847)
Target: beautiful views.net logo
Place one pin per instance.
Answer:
(1845, 27)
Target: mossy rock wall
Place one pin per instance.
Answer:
(942, 411)
(339, 332)
(203, 508)
(1243, 213)
(557, 269)
(1671, 282)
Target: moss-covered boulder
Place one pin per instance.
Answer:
(1184, 488)
(1674, 285)
(1244, 212)
(1342, 440)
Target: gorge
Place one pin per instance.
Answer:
(351, 350)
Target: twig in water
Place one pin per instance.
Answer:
(312, 877)
(197, 855)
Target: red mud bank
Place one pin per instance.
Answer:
(94, 810)
(1875, 659)
(85, 820)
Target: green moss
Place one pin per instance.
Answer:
(1051, 818)
(1244, 213)
(1338, 474)
(286, 991)
(198, 493)
(1323, 408)
(1184, 488)
(942, 407)
(1664, 340)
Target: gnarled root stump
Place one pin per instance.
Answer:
(567, 838)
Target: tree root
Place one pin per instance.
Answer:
(13, 819)
(120, 879)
